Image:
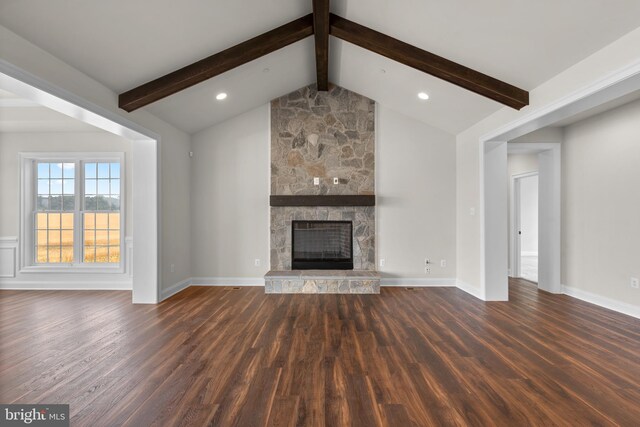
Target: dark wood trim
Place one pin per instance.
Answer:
(429, 63)
(217, 64)
(328, 200)
(321, 32)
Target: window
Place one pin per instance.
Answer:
(73, 210)
(101, 216)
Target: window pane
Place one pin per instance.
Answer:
(90, 186)
(115, 170)
(103, 170)
(103, 186)
(90, 203)
(103, 203)
(102, 221)
(55, 203)
(114, 203)
(43, 203)
(114, 238)
(89, 253)
(68, 186)
(69, 170)
(41, 253)
(43, 186)
(54, 238)
(114, 254)
(90, 170)
(54, 221)
(56, 186)
(54, 254)
(89, 238)
(102, 237)
(41, 221)
(114, 221)
(43, 170)
(67, 254)
(41, 238)
(67, 238)
(115, 186)
(67, 221)
(68, 203)
(102, 254)
(56, 170)
(89, 220)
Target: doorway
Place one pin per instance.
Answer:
(525, 226)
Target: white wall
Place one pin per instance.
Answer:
(529, 216)
(415, 187)
(230, 198)
(174, 146)
(601, 204)
(621, 53)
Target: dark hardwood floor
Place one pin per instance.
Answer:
(224, 356)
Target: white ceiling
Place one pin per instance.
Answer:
(22, 115)
(124, 43)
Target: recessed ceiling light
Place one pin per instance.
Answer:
(423, 96)
(221, 96)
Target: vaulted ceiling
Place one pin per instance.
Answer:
(124, 43)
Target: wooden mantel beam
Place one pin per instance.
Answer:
(217, 64)
(321, 32)
(429, 63)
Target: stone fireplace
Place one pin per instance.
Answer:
(323, 144)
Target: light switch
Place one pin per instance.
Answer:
(316, 181)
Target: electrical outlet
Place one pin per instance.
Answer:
(173, 268)
(427, 261)
(382, 261)
(316, 181)
(256, 262)
(427, 270)
(443, 263)
(336, 181)
(634, 283)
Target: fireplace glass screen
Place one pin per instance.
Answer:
(322, 245)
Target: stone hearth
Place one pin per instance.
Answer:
(322, 282)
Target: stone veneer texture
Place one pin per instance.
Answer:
(326, 135)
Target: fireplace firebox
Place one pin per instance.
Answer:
(322, 245)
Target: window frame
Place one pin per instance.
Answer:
(28, 201)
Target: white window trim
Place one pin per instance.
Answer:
(27, 207)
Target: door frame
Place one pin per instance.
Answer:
(515, 217)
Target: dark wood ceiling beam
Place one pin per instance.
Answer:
(217, 64)
(321, 32)
(428, 62)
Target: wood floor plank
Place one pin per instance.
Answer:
(219, 356)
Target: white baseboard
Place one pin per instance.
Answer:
(611, 304)
(418, 282)
(471, 290)
(174, 289)
(50, 285)
(227, 281)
